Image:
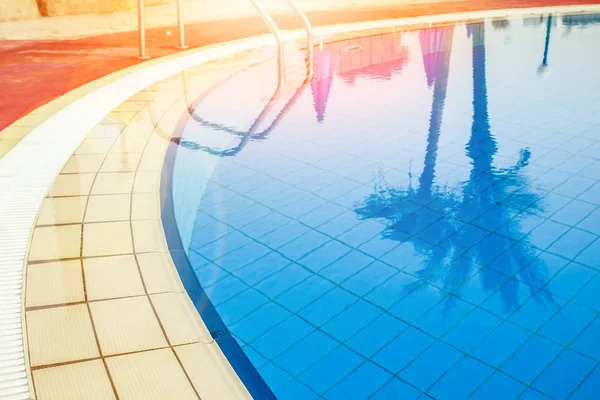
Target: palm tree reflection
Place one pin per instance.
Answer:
(490, 195)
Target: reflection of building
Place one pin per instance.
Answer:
(581, 20)
(374, 57)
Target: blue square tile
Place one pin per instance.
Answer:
(376, 335)
(327, 306)
(266, 225)
(287, 233)
(274, 376)
(471, 330)
(531, 359)
(567, 324)
(303, 245)
(417, 303)
(396, 389)
(573, 213)
(551, 203)
(407, 253)
(402, 350)
(393, 290)
(209, 273)
(444, 316)
(547, 233)
(564, 375)
(321, 215)
(589, 296)
(572, 243)
(430, 365)
(378, 246)
(531, 394)
(590, 388)
(469, 235)
(462, 380)
(587, 343)
(296, 391)
(590, 256)
(351, 320)
(295, 209)
(304, 293)
(369, 278)
(247, 216)
(255, 358)
(481, 286)
(362, 233)
(281, 337)
(242, 256)
(440, 231)
(499, 387)
(537, 310)
(508, 298)
(591, 195)
(306, 352)
(521, 225)
(539, 271)
(346, 266)
(360, 384)
(574, 186)
(262, 268)
(495, 217)
(591, 222)
(226, 244)
(570, 280)
(325, 373)
(259, 321)
(340, 224)
(240, 306)
(208, 234)
(225, 289)
(282, 280)
(324, 255)
(490, 248)
(501, 344)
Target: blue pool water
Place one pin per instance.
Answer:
(421, 220)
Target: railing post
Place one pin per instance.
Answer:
(309, 36)
(280, 50)
(141, 32)
(182, 44)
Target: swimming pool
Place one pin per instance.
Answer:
(420, 220)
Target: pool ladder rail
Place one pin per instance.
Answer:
(266, 18)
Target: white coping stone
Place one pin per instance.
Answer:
(28, 170)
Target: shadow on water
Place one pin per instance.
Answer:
(489, 195)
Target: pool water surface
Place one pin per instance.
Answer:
(420, 220)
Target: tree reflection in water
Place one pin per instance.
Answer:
(491, 195)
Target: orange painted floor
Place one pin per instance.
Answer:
(35, 72)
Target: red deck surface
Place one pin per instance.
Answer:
(33, 73)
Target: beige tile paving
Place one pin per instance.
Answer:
(114, 207)
(107, 238)
(85, 163)
(145, 206)
(147, 182)
(72, 185)
(159, 273)
(60, 334)
(151, 375)
(95, 146)
(62, 210)
(84, 380)
(112, 277)
(180, 319)
(121, 162)
(55, 243)
(126, 325)
(14, 132)
(105, 131)
(54, 283)
(210, 373)
(113, 183)
(148, 236)
(6, 145)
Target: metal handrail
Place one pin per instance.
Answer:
(142, 29)
(309, 36)
(275, 29)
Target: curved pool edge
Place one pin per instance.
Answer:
(29, 182)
